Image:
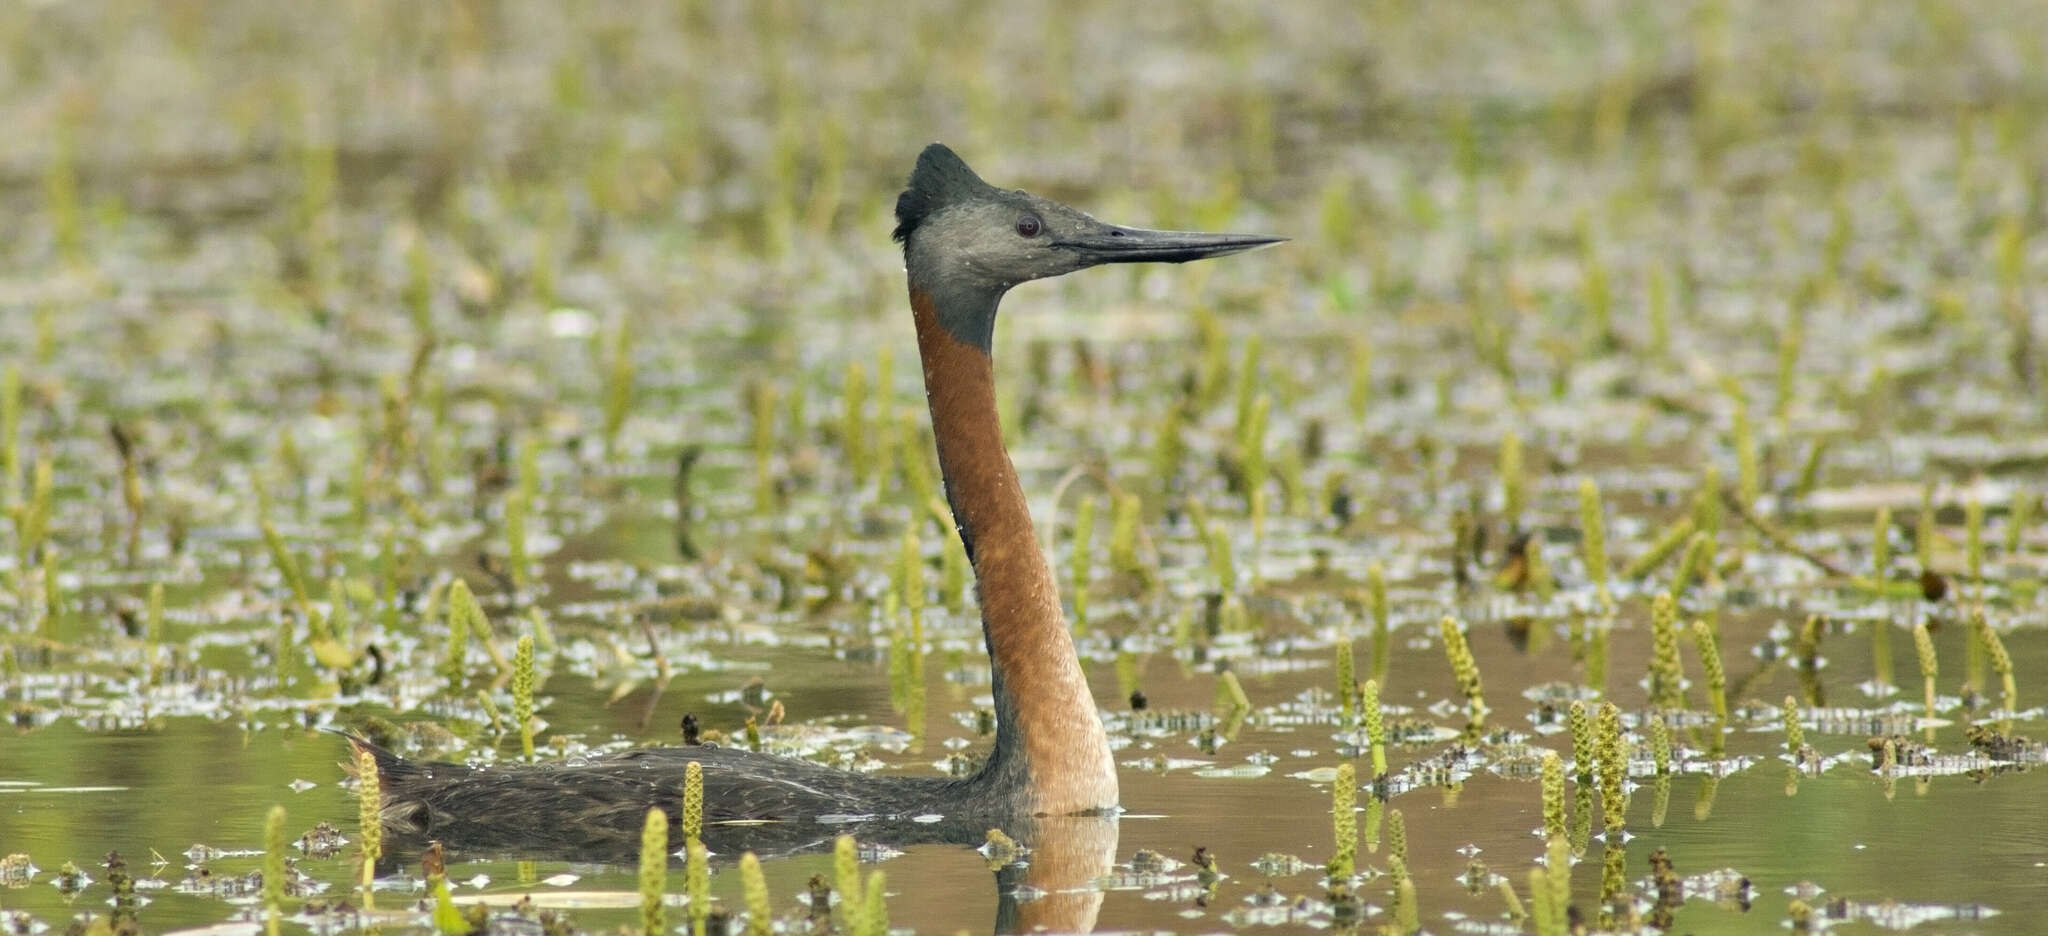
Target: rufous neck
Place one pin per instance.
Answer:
(1046, 720)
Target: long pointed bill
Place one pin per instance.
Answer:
(1113, 244)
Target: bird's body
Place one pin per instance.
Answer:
(966, 243)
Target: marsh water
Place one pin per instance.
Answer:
(593, 308)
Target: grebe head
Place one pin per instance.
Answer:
(967, 242)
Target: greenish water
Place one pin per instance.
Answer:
(398, 283)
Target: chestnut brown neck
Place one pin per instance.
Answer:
(1049, 738)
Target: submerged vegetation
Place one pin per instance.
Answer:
(508, 381)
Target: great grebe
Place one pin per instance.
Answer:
(965, 244)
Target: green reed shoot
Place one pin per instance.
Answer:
(1674, 536)
(1580, 720)
(1809, 469)
(846, 878)
(693, 801)
(1344, 822)
(1710, 662)
(618, 386)
(874, 906)
(1598, 297)
(1347, 682)
(697, 884)
(1361, 377)
(1407, 916)
(1924, 532)
(1464, 666)
(1790, 342)
(2001, 661)
(1082, 558)
(1553, 794)
(1923, 645)
(522, 693)
(448, 919)
(1973, 531)
(1397, 835)
(1881, 546)
(1217, 542)
(1660, 744)
(1597, 637)
(1514, 486)
(1382, 636)
(853, 423)
(1706, 501)
(517, 507)
(281, 556)
(10, 436)
(1248, 384)
(1795, 733)
(1230, 693)
(1256, 467)
(1375, 726)
(653, 872)
(1124, 511)
(273, 868)
(1544, 914)
(1613, 767)
(464, 617)
(1748, 476)
(760, 911)
(1698, 559)
(369, 819)
(1593, 537)
(1666, 674)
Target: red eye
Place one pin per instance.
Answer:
(1027, 226)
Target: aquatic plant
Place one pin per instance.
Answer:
(517, 507)
(1343, 822)
(1553, 794)
(465, 616)
(618, 385)
(1710, 661)
(1593, 537)
(853, 426)
(1514, 487)
(1795, 733)
(846, 875)
(1923, 646)
(10, 436)
(1230, 693)
(1382, 638)
(369, 821)
(1464, 666)
(274, 868)
(1083, 560)
(874, 906)
(1347, 683)
(1613, 767)
(693, 801)
(522, 693)
(2001, 661)
(1660, 743)
(1674, 536)
(760, 912)
(1124, 510)
(697, 884)
(1375, 726)
(1580, 721)
(1666, 675)
(653, 872)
